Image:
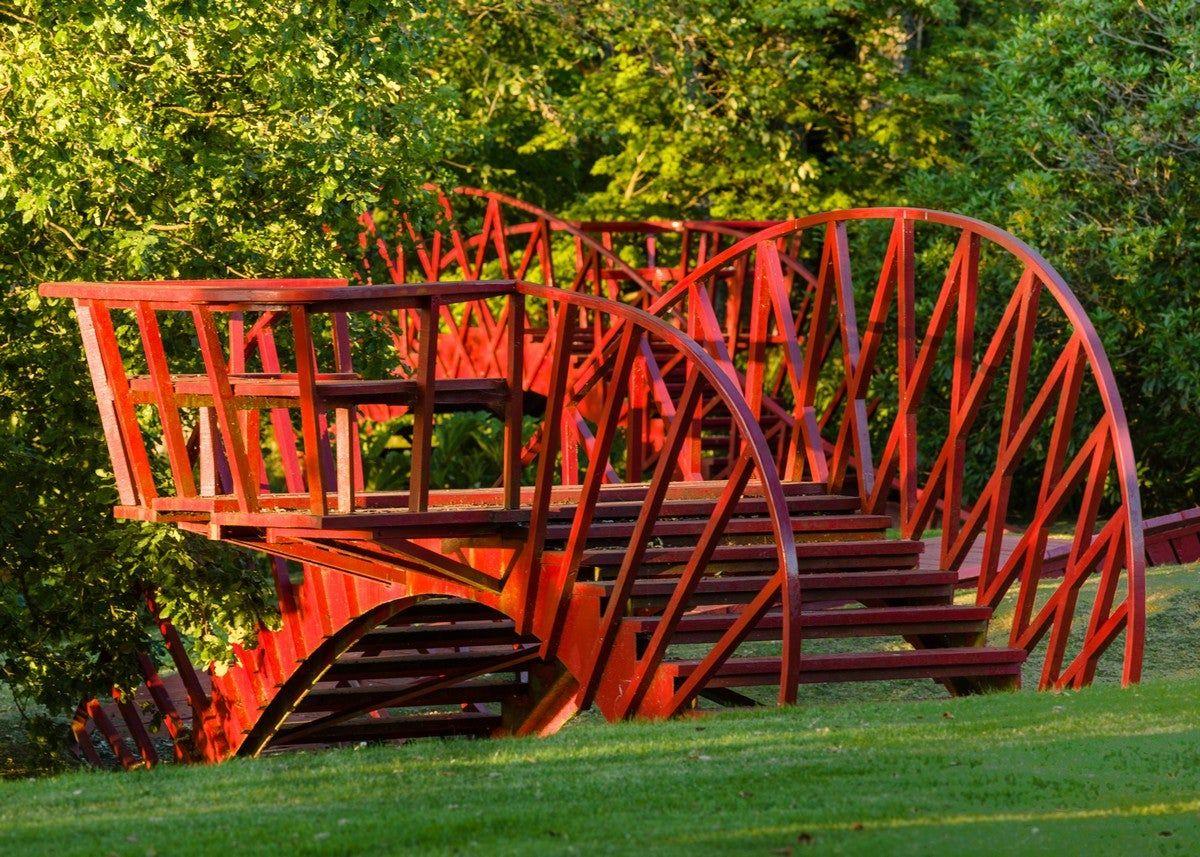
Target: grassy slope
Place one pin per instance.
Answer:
(1010, 773)
(1005, 774)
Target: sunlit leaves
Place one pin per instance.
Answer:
(724, 108)
(167, 139)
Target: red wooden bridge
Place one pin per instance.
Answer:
(720, 444)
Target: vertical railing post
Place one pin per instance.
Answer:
(122, 472)
(249, 421)
(310, 425)
(426, 375)
(693, 449)
(109, 352)
(735, 293)
(207, 453)
(570, 449)
(346, 429)
(514, 404)
(245, 482)
(685, 251)
(348, 470)
(636, 421)
(237, 343)
(907, 367)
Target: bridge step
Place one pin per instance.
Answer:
(883, 554)
(414, 665)
(443, 610)
(941, 663)
(483, 506)
(469, 723)
(651, 592)
(865, 622)
(685, 527)
(325, 699)
(702, 507)
(441, 667)
(437, 636)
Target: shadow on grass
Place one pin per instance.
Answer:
(1103, 769)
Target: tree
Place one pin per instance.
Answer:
(1086, 144)
(723, 108)
(154, 140)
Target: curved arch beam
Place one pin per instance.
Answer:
(1084, 332)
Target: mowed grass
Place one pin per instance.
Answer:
(1104, 769)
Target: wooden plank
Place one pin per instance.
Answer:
(245, 481)
(310, 428)
(514, 409)
(422, 438)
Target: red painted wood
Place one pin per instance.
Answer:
(578, 566)
(1012, 339)
(422, 436)
(1169, 538)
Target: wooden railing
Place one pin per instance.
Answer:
(483, 233)
(840, 362)
(266, 436)
(843, 402)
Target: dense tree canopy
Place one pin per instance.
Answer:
(167, 139)
(173, 138)
(1085, 142)
(726, 108)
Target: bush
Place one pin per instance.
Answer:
(1085, 143)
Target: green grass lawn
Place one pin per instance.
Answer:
(1104, 770)
(1015, 773)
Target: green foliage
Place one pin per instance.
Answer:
(1086, 144)
(728, 108)
(168, 139)
(1071, 123)
(467, 447)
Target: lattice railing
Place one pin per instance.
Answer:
(260, 432)
(477, 235)
(482, 233)
(1007, 385)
